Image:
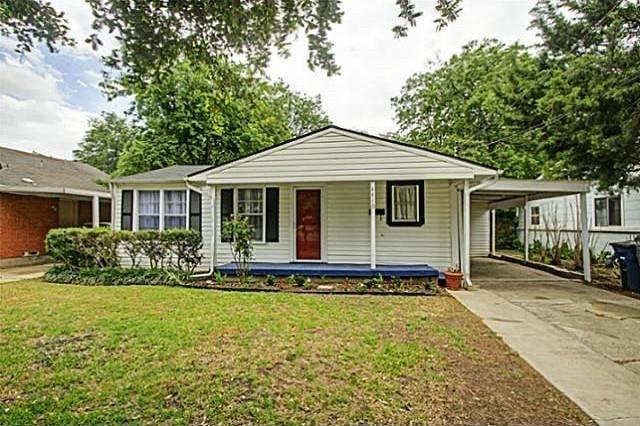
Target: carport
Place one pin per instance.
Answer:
(497, 193)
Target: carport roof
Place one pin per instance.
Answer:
(505, 193)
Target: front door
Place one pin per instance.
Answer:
(308, 235)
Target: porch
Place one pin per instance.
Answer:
(334, 270)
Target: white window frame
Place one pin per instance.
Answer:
(236, 214)
(136, 208)
(537, 215)
(393, 203)
(164, 208)
(160, 208)
(607, 210)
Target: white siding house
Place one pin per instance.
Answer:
(612, 217)
(331, 197)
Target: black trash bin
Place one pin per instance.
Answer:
(627, 256)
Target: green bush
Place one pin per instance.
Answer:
(86, 248)
(114, 276)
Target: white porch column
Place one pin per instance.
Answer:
(492, 241)
(584, 231)
(95, 211)
(525, 217)
(372, 215)
(466, 231)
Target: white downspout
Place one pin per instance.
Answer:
(212, 205)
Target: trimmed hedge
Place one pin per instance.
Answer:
(114, 276)
(85, 248)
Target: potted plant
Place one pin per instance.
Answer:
(453, 278)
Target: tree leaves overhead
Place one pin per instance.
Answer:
(486, 93)
(32, 21)
(202, 115)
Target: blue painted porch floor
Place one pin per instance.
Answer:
(333, 270)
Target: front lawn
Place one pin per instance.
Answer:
(149, 355)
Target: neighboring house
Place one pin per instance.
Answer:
(333, 202)
(38, 193)
(611, 218)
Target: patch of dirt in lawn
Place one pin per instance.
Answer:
(436, 365)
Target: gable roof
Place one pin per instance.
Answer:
(344, 140)
(168, 174)
(34, 173)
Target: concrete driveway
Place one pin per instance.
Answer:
(584, 340)
(17, 273)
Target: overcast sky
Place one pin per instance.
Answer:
(46, 100)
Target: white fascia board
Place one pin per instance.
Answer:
(55, 191)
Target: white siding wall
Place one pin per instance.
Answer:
(480, 228)
(338, 157)
(348, 235)
(263, 252)
(430, 243)
(562, 213)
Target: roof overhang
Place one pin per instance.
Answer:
(506, 193)
(51, 190)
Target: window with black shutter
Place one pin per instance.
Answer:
(273, 215)
(195, 211)
(226, 208)
(126, 215)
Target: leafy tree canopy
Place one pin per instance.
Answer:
(155, 33)
(486, 93)
(198, 114)
(107, 137)
(571, 108)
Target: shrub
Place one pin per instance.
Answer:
(185, 246)
(152, 248)
(131, 245)
(114, 276)
(83, 247)
(240, 236)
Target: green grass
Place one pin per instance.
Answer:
(149, 355)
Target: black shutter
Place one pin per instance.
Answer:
(126, 214)
(273, 214)
(195, 211)
(226, 209)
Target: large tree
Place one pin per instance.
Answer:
(199, 114)
(155, 33)
(592, 99)
(104, 142)
(464, 106)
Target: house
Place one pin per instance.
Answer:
(335, 202)
(38, 193)
(612, 217)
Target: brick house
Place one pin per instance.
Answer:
(38, 193)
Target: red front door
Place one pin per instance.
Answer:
(308, 224)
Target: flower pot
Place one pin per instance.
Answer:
(453, 280)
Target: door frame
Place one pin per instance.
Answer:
(323, 224)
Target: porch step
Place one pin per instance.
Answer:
(334, 270)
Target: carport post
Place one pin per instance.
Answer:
(466, 231)
(492, 242)
(584, 231)
(95, 211)
(525, 217)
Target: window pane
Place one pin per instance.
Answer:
(404, 203)
(175, 222)
(256, 223)
(601, 212)
(175, 202)
(615, 216)
(149, 202)
(149, 222)
(251, 206)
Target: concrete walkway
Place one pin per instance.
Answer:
(18, 273)
(584, 340)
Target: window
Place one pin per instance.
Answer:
(175, 209)
(148, 210)
(608, 211)
(251, 206)
(405, 203)
(535, 215)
